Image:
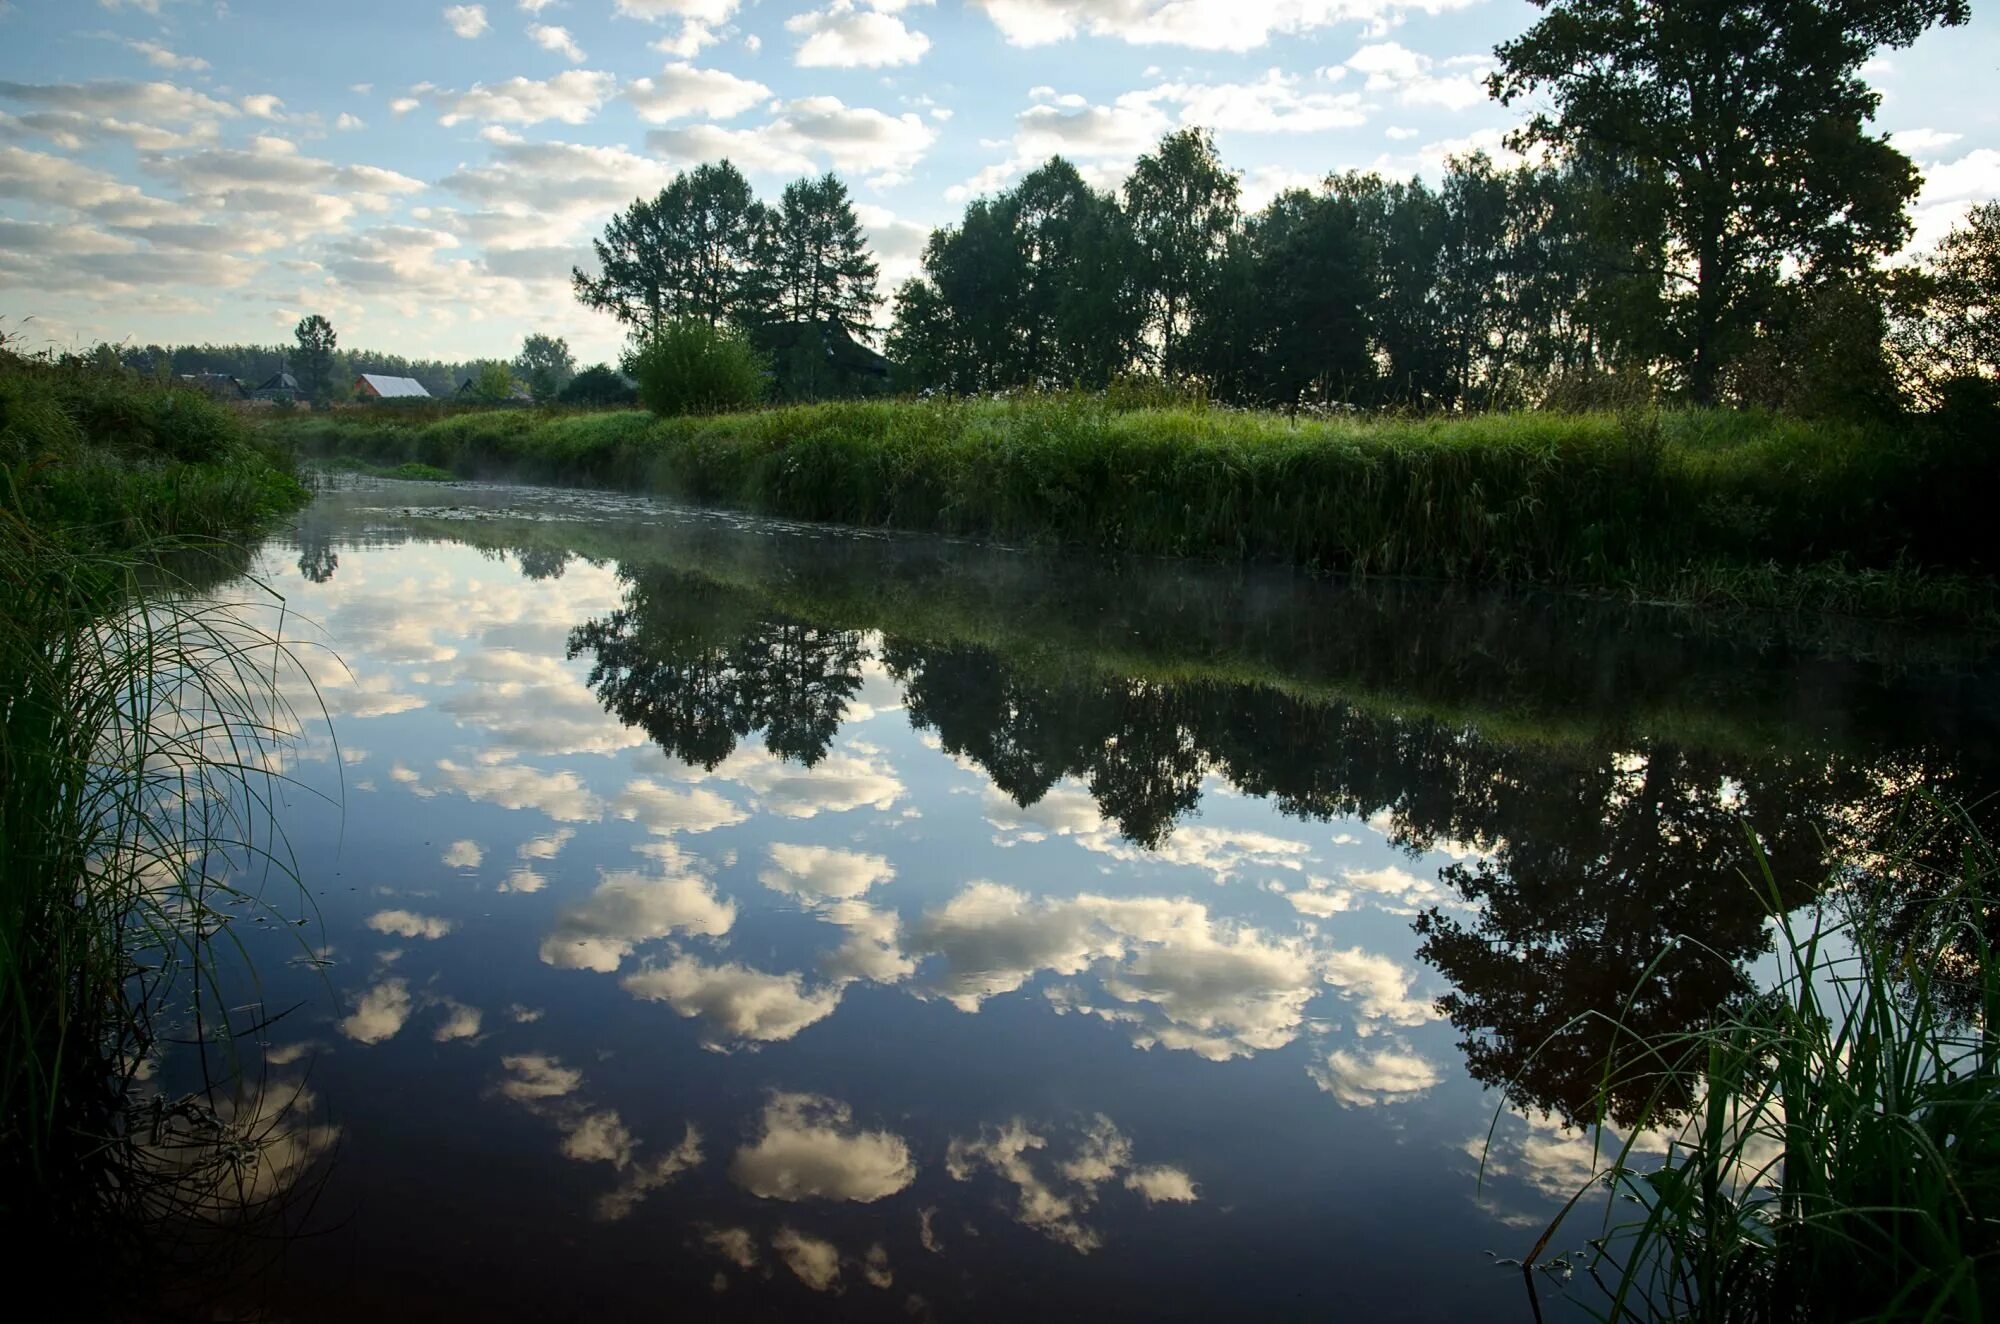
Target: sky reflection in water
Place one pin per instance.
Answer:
(680, 951)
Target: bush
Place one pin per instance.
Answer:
(599, 386)
(694, 368)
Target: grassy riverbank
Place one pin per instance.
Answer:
(103, 460)
(1685, 505)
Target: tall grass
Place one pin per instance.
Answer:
(1688, 504)
(141, 723)
(1843, 1158)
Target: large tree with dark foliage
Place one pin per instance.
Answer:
(1745, 123)
(1183, 204)
(688, 252)
(312, 360)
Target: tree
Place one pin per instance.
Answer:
(1182, 204)
(600, 385)
(691, 251)
(1948, 334)
(546, 365)
(493, 384)
(819, 258)
(312, 361)
(1744, 124)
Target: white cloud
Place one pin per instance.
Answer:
(1222, 25)
(1386, 1075)
(572, 97)
(1390, 67)
(537, 1077)
(809, 129)
(560, 795)
(460, 1022)
(1922, 142)
(380, 1013)
(463, 855)
(1052, 1198)
(409, 924)
(817, 873)
(681, 90)
(659, 11)
(467, 21)
(1168, 971)
(815, 1262)
(627, 909)
(810, 1149)
(557, 40)
(160, 57)
(847, 36)
(347, 123)
(737, 1004)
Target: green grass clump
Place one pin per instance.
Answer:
(1842, 1159)
(106, 460)
(1690, 505)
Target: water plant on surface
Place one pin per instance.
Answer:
(1841, 1159)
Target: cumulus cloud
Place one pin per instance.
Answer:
(467, 21)
(460, 1022)
(738, 1004)
(803, 132)
(681, 90)
(815, 1262)
(816, 873)
(849, 35)
(557, 40)
(409, 924)
(562, 796)
(380, 1013)
(571, 97)
(1386, 1075)
(1052, 1198)
(664, 811)
(627, 909)
(463, 855)
(810, 1149)
(1166, 969)
(1218, 25)
(1416, 79)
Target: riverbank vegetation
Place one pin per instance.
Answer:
(138, 717)
(1692, 505)
(1832, 1144)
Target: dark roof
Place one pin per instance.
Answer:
(219, 384)
(284, 381)
(839, 345)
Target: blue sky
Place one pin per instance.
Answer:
(425, 174)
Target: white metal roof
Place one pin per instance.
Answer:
(395, 387)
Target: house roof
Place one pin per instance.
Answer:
(284, 381)
(394, 388)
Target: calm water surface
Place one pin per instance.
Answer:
(718, 918)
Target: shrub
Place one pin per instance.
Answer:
(600, 386)
(694, 368)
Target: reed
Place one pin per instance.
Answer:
(1843, 1158)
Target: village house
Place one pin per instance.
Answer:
(375, 386)
(281, 389)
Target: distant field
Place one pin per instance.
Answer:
(1690, 505)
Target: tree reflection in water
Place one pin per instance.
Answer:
(1607, 890)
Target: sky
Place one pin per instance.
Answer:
(426, 174)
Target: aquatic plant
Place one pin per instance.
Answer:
(142, 721)
(1841, 1158)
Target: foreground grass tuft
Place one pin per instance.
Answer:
(1690, 505)
(1842, 1160)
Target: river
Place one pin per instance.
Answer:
(711, 917)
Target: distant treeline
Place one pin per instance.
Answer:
(256, 364)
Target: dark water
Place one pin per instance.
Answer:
(721, 918)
